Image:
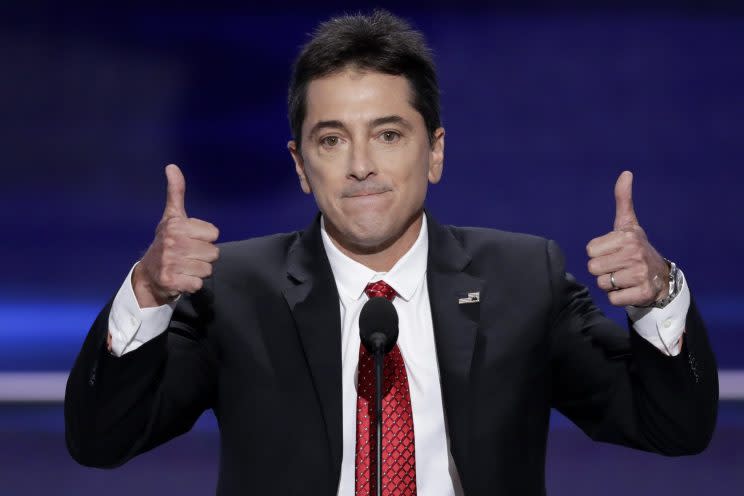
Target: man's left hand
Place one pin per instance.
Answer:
(627, 267)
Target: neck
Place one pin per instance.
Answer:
(382, 258)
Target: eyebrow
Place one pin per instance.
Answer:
(336, 124)
(391, 119)
(320, 125)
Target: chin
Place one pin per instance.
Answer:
(370, 239)
(368, 232)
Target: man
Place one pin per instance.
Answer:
(493, 332)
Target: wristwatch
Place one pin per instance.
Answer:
(676, 280)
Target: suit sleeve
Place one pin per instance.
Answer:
(616, 386)
(118, 407)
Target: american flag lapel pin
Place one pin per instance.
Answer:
(473, 297)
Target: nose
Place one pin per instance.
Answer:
(361, 165)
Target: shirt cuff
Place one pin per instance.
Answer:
(663, 327)
(131, 326)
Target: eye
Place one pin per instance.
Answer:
(390, 136)
(329, 141)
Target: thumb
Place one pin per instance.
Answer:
(176, 191)
(624, 213)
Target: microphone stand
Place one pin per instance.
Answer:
(378, 331)
(379, 363)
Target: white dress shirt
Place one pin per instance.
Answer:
(435, 470)
(436, 475)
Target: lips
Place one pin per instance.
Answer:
(361, 195)
(368, 190)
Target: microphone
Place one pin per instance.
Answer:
(378, 325)
(378, 330)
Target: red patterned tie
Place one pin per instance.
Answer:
(398, 456)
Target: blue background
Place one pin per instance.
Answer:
(543, 105)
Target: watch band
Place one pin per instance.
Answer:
(675, 285)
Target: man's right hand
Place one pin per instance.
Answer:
(182, 253)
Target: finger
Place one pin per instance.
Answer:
(607, 264)
(624, 213)
(188, 284)
(174, 200)
(194, 268)
(196, 249)
(607, 244)
(180, 227)
(173, 282)
(629, 296)
(200, 229)
(624, 278)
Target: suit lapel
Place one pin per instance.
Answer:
(455, 327)
(313, 302)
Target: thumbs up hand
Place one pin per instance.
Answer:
(182, 253)
(627, 267)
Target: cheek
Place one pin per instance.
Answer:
(323, 183)
(416, 174)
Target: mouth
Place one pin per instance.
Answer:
(366, 193)
(366, 190)
(367, 201)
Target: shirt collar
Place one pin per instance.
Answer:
(405, 277)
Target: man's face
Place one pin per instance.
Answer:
(366, 157)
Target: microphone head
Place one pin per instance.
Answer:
(378, 325)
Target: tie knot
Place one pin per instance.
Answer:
(380, 289)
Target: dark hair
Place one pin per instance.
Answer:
(380, 42)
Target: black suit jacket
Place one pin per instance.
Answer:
(261, 345)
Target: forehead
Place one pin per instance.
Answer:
(354, 95)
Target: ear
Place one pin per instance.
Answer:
(436, 156)
(299, 166)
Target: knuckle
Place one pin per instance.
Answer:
(173, 222)
(613, 297)
(591, 266)
(629, 244)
